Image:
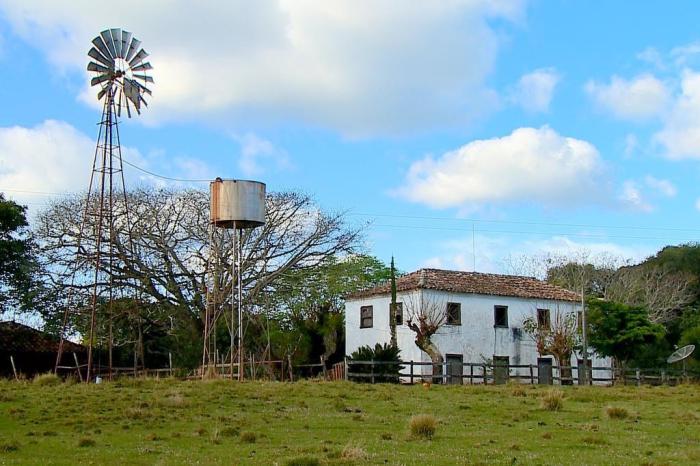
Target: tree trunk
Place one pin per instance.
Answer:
(565, 373)
(435, 356)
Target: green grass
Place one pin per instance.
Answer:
(221, 422)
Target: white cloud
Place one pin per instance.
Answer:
(494, 253)
(528, 165)
(53, 158)
(631, 145)
(652, 56)
(257, 154)
(50, 157)
(680, 134)
(534, 90)
(663, 187)
(640, 98)
(684, 54)
(632, 197)
(359, 67)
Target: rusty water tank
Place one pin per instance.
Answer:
(237, 202)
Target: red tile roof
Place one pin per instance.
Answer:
(473, 283)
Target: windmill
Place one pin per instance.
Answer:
(122, 76)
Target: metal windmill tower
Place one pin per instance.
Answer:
(122, 76)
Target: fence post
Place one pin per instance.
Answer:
(345, 376)
(471, 374)
(323, 361)
(14, 369)
(532, 375)
(483, 368)
(371, 368)
(663, 376)
(77, 367)
(411, 371)
(639, 380)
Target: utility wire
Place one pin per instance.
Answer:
(162, 176)
(545, 233)
(523, 222)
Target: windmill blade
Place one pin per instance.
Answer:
(139, 56)
(141, 99)
(100, 44)
(142, 88)
(142, 67)
(132, 92)
(128, 110)
(126, 40)
(100, 79)
(135, 44)
(92, 66)
(117, 41)
(107, 37)
(94, 53)
(143, 77)
(101, 93)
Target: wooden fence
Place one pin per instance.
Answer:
(486, 373)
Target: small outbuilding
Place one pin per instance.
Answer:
(33, 351)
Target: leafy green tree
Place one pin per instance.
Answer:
(620, 331)
(311, 301)
(16, 264)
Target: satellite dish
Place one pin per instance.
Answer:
(680, 354)
(120, 70)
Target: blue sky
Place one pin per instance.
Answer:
(465, 132)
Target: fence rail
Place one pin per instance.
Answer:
(487, 373)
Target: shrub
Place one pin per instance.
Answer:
(518, 390)
(248, 437)
(229, 432)
(353, 452)
(616, 412)
(47, 379)
(86, 442)
(303, 461)
(381, 353)
(7, 447)
(423, 426)
(553, 400)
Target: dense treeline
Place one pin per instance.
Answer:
(659, 300)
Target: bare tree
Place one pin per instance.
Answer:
(161, 248)
(558, 338)
(661, 291)
(425, 315)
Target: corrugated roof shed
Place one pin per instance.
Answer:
(473, 283)
(19, 338)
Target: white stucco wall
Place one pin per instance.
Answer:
(476, 339)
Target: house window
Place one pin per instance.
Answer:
(366, 316)
(500, 316)
(543, 321)
(454, 314)
(398, 313)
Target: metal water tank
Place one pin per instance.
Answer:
(237, 202)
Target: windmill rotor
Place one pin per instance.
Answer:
(120, 70)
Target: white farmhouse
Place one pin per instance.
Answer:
(484, 318)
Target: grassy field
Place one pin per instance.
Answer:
(305, 423)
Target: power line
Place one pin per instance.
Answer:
(163, 176)
(525, 222)
(514, 232)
